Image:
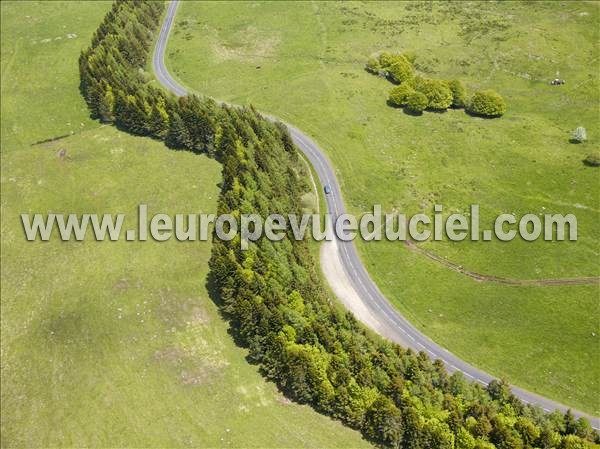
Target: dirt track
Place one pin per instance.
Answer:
(500, 280)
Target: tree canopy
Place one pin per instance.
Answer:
(487, 103)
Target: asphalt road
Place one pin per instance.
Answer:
(392, 324)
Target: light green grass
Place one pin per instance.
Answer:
(40, 76)
(115, 344)
(304, 62)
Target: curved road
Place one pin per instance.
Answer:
(388, 321)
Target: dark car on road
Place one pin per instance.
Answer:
(327, 189)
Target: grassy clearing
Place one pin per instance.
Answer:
(304, 62)
(115, 343)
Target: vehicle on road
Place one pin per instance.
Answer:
(327, 189)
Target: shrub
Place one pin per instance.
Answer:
(397, 67)
(373, 66)
(400, 70)
(593, 159)
(399, 94)
(415, 82)
(487, 103)
(459, 94)
(438, 93)
(579, 135)
(416, 102)
(386, 59)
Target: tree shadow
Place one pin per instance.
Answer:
(486, 117)
(411, 112)
(213, 293)
(437, 111)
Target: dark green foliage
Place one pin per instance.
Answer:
(528, 430)
(399, 94)
(499, 391)
(416, 102)
(130, 114)
(487, 103)
(116, 89)
(503, 436)
(439, 95)
(459, 94)
(383, 422)
(272, 293)
(177, 135)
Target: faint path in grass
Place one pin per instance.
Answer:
(480, 277)
(499, 280)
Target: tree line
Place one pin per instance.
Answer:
(417, 94)
(273, 295)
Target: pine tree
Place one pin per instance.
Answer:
(383, 422)
(159, 120)
(106, 104)
(177, 136)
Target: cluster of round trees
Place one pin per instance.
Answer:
(487, 103)
(417, 94)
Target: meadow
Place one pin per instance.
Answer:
(115, 343)
(304, 62)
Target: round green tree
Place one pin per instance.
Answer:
(399, 94)
(385, 59)
(416, 102)
(459, 94)
(438, 93)
(487, 103)
(400, 70)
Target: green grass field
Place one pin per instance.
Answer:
(113, 344)
(304, 62)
